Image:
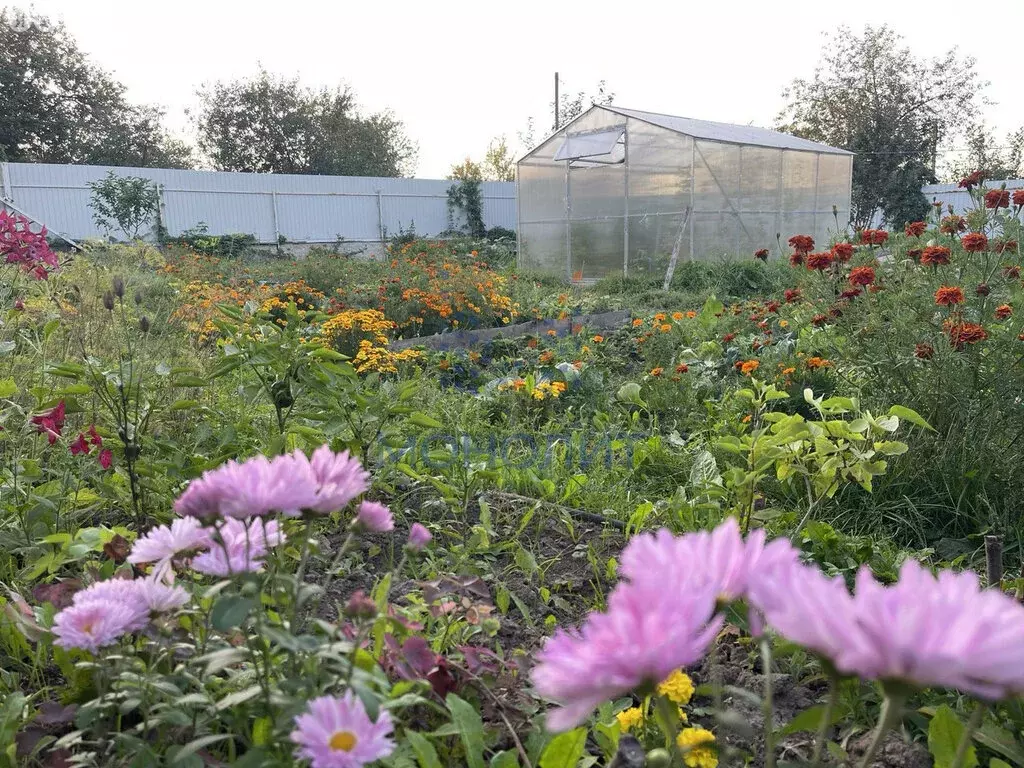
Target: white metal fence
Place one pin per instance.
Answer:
(951, 194)
(300, 209)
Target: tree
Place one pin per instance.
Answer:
(996, 159)
(871, 95)
(268, 124)
(57, 107)
(130, 202)
(498, 164)
(570, 106)
(467, 170)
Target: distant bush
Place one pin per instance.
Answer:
(198, 240)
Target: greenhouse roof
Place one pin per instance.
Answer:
(726, 132)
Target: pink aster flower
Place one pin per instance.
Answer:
(649, 630)
(120, 592)
(94, 624)
(419, 537)
(159, 597)
(339, 478)
(162, 544)
(945, 631)
(237, 547)
(338, 733)
(258, 486)
(375, 517)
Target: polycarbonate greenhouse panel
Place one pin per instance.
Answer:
(597, 146)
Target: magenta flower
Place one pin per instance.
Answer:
(106, 458)
(94, 624)
(79, 445)
(337, 733)
(339, 478)
(237, 547)
(650, 629)
(945, 631)
(52, 422)
(255, 487)
(374, 517)
(162, 544)
(419, 537)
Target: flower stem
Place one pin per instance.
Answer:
(965, 739)
(668, 719)
(826, 720)
(892, 712)
(768, 706)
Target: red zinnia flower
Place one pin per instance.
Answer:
(1018, 198)
(850, 293)
(862, 276)
(924, 351)
(79, 445)
(796, 258)
(973, 242)
(791, 294)
(971, 181)
(819, 261)
(772, 306)
(935, 255)
(914, 253)
(761, 254)
(874, 236)
(1003, 311)
(106, 458)
(728, 337)
(961, 334)
(997, 198)
(947, 296)
(952, 225)
(915, 229)
(819, 319)
(51, 422)
(842, 251)
(682, 368)
(1011, 272)
(802, 243)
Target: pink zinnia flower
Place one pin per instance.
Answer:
(336, 732)
(255, 487)
(162, 544)
(419, 537)
(375, 517)
(651, 628)
(51, 423)
(945, 631)
(94, 624)
(339, 478)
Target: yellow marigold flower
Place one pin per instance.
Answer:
(695, 744)
(677, 316)
(677, 687)
(817, 362)
(783, 323)
(538, 394)
(557, 388)
(598, 339)
(630, 719)
(585, 349)
(657, 371)
(787, 371)
(749, 366)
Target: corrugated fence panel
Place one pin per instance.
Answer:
(304, 208)
(951, 194)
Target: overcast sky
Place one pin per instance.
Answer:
(460, 73)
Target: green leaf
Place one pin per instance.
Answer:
(238, 697)
(230, 611)
(196, 744)
(995, 762)
(426, 755)
(944, 734)
(507, 759)
(471, 729)
(189, 381)
(262, 730)
(7, 387)
(810, 719)
(909, 414)
(565, 750)
(422, 420)
(630, 393)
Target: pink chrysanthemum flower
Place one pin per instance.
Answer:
(255, 487)
(238, 547)
(375, 517)
(419, 537)
(122, 592)
(649, 630)
(94, 624)
(946, 631)
(159, 597)
(162, 544)
(339, 477)
(337, 733)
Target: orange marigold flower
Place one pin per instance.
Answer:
(952, 225)
(660, 317)
(761, 253)
(546, 356)
(532, 343)
(817, 362)
(665, 328)
(598, 339)
(682, 368)
(728, 337)
(637, 322)
(842, 252)
(791, 294)
(1011, 272)
(915, 229)
(747, 367)
(874, 236)
(801, 243)
(1018, 198)
(924, 351)
(948, 295)
(974, 242)
(677, 316)
(1003, 311)
(552, 332)
(862, 276)
(997, 198)
(444, 365)
(691, 314)
(961, 334)
(935, 255)
(657, 371)
(788, 371)
(819, 261)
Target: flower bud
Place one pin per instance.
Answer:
(419, 537)
(144, 324)
(983, 289)
(118, 284)
(360, 606)
(108, 301)
(138, 296)
(19, 305)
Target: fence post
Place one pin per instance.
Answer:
(277, 222)
(161, 215)
(5, 191)
(380, 217)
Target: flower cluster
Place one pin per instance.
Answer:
(21, 246)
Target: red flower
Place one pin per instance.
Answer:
(874, 236)
(79, 445)
(728, 337)
(791, 295)
(961, 334)
(952, 225)
(1011, 272)
(762, 254)
(862, 276)
(947, 296)
(924, 351)
(819, 261)
(94, 436)
(772, 306)
(682, 368)
(935, 255)
(914, 253)
(850, 293)
(19, 304)
(802, 243)
(106, 458)
(997, 198)
(1002, 245)
(973, 242)
(1018, 198)
(1003, 311)
(796, 258)
(51, 422)
(971, 181)
(842, 252)
(819, 319)
(915, 229)
(983, 289)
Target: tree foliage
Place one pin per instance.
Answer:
(570, 106)
(129, 202)
(57, 107)
(997, 159)
(873, 96)
(268, 124)
(498, 164)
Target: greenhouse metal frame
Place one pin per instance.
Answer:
(619, 191)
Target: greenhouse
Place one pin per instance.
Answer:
(616, 191)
